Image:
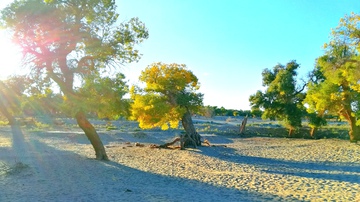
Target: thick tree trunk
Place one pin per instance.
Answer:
(92, 135)
(191, 138)
(354, 132)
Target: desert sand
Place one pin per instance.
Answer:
(59, 165)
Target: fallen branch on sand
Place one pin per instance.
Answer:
(166, 145)
(178, 139)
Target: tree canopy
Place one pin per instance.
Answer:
(169, 93)
(337, 92)
(70, 42)
(282, 98)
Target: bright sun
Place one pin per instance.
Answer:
(10, 56)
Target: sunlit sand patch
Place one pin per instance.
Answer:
(15, 169)
(5, 142)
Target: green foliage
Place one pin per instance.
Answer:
(224, 112)
(281, 100)
(169, 93)
(256, 112)
(316, 120)
(336, 87)
(105, 96)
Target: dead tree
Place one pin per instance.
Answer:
(243, 125)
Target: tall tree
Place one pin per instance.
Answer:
(339, 91)
(70, 40)
(282, 98)
(169, 96)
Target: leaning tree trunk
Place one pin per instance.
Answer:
(92, 135)
(191, 138)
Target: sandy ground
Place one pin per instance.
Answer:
(58, 165)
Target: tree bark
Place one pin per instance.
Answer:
(354, 132)
(191, 138)
(92, 135)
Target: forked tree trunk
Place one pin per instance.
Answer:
(191, 138)
(92, 135)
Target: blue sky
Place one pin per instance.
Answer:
(228, 43)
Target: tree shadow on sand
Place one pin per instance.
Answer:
(58, 175)
(348, 172)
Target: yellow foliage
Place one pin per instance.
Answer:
(157, 105)
(165, 126)
(333, 96)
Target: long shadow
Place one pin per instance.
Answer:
(349, 172)
(58, 175)
(17, 137)
(153, 136)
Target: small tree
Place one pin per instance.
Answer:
(281, 100)
(169, 96)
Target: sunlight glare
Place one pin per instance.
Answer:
(10, 56)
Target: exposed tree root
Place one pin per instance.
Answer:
(166, 145)
(180, 139)
(138, 144)
(207, 142)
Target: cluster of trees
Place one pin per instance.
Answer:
(332, 89)
(77, 46)
(211, 111)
